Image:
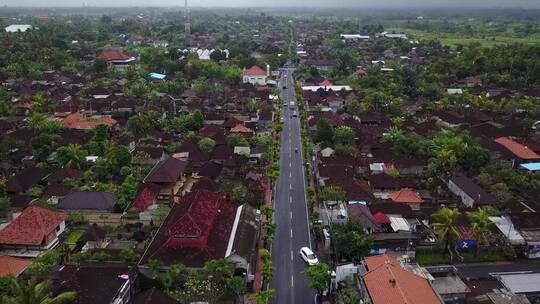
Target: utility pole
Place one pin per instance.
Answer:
(187, 25)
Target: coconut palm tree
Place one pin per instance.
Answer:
(154, 266)
(444, 226)
(71, 156)
(392, 134)
(21, 292)
(480, 226)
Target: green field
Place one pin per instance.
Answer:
(484, 39)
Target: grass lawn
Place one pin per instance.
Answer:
(73, 237)
(425, 259)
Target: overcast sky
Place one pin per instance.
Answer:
(300, 3)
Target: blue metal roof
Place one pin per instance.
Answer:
(157, 76)
(531, 166)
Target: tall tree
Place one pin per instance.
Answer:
(444, 226)
(320, 277)
(137, 125)
(344, 135)
(325, 131)
(127, 191)
(101, 132)
(118, 156)
(351, 241)
(480, 226)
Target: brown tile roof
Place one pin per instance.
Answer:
(26, 179)
(519, 150)
(92, 283)
(31, 227)
(89, 200)
(362, 213)
(467, 185)
(166, 171)
(388, 283)
(58, 175)
(12, 266)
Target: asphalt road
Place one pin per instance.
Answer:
(484, 270)
(291, 216)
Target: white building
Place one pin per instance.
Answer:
(354, 37)
(14, 28)
(255, 75)
(204, 54)
(334, 88)
(394, 35)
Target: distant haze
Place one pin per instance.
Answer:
(526, 4)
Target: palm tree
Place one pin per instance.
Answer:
(392, 134)
(444, 226)
(220, 270)
(480, 226)
(71, 156)
(154, 266)
(21, 292)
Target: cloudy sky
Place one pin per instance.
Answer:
(298, 3)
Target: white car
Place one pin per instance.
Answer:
(308, 256)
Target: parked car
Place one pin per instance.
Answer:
(308, 256)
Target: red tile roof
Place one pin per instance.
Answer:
(381, 218)
(239, 128)
(78, 121)
(254, 71)
(114, 56)
(519, 150)
(193, 228)
(12, 266)
(146, 197)
(407, 196)
(388, 283)
(375, 261)
(169, 250)
(32, 227)
(326, 83)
